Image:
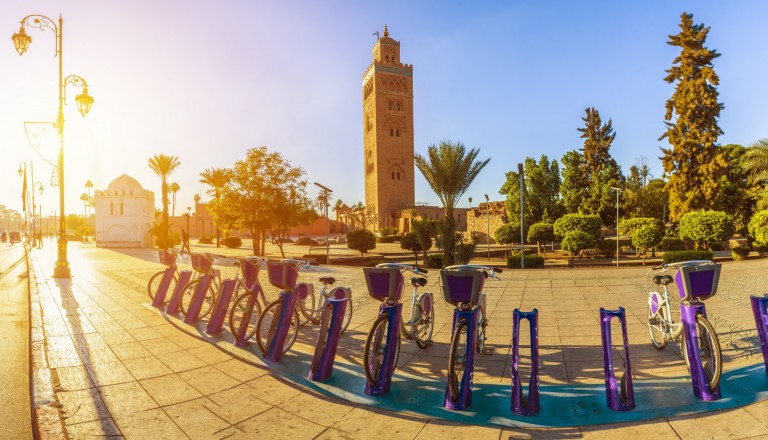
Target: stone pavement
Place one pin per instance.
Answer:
(118, 368)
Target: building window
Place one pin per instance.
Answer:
(398, 106)
(111, 208)
(397, 132)
(398, 175)
(391, 132)
(390, 105)
(121, 208)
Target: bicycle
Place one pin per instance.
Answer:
(418, 328)
(203, 267)
(249, 299)
(462, 286)
(280, 319)
(170, 258)
(662, 326)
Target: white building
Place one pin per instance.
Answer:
(124, 214)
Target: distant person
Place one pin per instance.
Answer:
(185, 241)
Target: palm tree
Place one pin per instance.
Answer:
(216, 178)
(163, 166)
(174, 188)
(88, 186)
(756, 160)
(449, 169)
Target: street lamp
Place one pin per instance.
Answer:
(84, 101)
(326, 193)
(522, 238)
(488, 226)
(618, 192)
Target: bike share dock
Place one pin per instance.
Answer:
(562, 401)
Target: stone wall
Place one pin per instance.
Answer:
(478, 222)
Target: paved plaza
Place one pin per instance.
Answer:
(120, 368)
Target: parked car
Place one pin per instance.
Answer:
(15, 236)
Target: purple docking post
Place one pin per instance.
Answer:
(387, 368)
(221, 307)
(162, 289)
(327, 339)
(175, 302)
(699, 380)
(276, 341)
(193, 312)
(620, 395)
(759, 308)
(525, 405)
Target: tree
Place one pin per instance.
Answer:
(449, 169)
(289, 207)
(629, 226)
(740, 192)
(696, 167)
(574, 184)
(541, 232)
(173, 188)
(89, 187)
(424, 231)
(598, 138)
(255, 198)
(756, 166)
(706, 227)
(758, 227)
(646, 237)
(576, 241)
(164, 165)
(411, 243)
(589, 224)
(541, 192)
(507, 233)
(361, 240)
(216, 178)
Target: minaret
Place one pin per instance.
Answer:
(388, 133)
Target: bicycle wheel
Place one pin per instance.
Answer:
(481, 325)
(237, 315)
(266, 327)
(373, 354)
(656, 328)
(154, 284)
(457, 359)
(189, 292)
(423, 331)
(710, 356)
(307, 308)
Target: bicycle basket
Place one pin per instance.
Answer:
(168, 257)
(282, 275)
(201, 263)
(384, 283)
(250, 268)
(462, 286)
(697, 282)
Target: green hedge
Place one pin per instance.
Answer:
(672, 244)
(387, 239)
(232, 242)
(531, 261)
(760, 248)
(677, 256)
(317, 258)
(740, 253)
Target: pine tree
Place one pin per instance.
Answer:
(697, 169)
(598, 138)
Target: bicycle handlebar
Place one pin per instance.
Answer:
(680, 264)
(299, 263)
(490, 270)
(402, 266)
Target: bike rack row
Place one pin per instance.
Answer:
(619, 392)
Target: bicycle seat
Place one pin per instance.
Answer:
(327, 280)
(662, 279)
(418, 281)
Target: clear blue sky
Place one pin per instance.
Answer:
(206, 80)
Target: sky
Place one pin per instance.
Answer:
(205, 81)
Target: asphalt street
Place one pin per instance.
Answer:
(15, 412)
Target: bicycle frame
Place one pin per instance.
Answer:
(672, 329)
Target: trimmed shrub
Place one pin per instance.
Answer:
(576, 241)
(760, 248)
(589, 224)
(361, 240)
(740, 253)
(531, 261)
(465, 252)
(387, 239)
(317, 258)
(607, 247)
(758, 226)
(205, 240)
(232, 242)
(434, 261)
(677, 256)
(672, 244)
(629, 226)
(376, 262)
(706, 227)
(507, 233)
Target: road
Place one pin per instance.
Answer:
(15, 412)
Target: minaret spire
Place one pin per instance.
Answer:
(386, 32)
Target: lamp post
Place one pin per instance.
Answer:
(618, 192)
(84, 102)
(40, 216)
(522, 238)
(30, 227)
(488, 226)
(326, 193)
